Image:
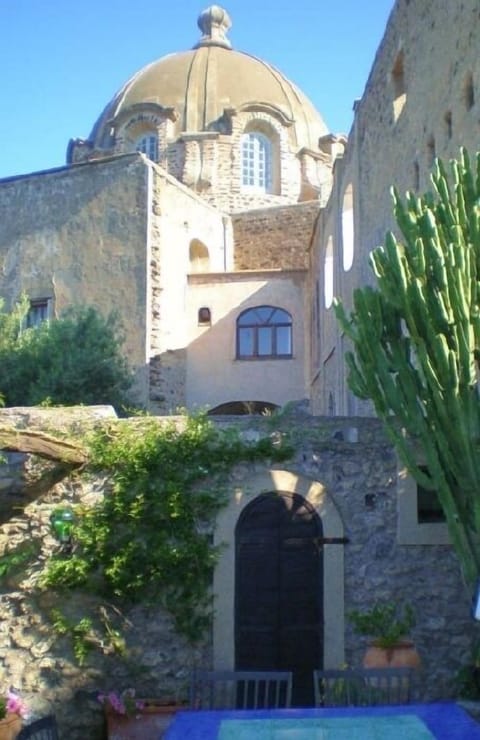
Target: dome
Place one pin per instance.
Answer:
(198, 88)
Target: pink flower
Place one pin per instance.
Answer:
(124, 703)
(15, 705)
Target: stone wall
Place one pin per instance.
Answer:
(78, 235)
(421, 100)
(274, 238)
(356, 466)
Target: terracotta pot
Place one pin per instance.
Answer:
(402, 655)
(10, 726)
(149, 724)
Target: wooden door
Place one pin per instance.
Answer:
(279, 590)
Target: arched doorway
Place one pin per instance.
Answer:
(279, 589)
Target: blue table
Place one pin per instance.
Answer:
(436, 721)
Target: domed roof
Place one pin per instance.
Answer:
(197, 87)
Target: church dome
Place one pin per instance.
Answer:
(199, 89)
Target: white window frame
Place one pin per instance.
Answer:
(148, 145)
(256, 162)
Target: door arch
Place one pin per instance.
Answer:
(278, 600)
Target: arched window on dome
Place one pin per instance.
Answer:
(148, 145)
(256, 151)
(264, 332)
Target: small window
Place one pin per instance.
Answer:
(431, 151)
(429, 509)
(348, 235)
(204, 316)
(448, 124)
(419, 515)
(328, 274)
(148, 145)
(399, 88)
(416, 176)
(38, 312)
(257, 162)
(264, 332)
(469, 92)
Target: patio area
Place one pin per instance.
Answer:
(435, 721)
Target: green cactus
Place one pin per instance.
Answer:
(416, 344)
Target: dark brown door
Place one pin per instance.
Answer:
(279, 590)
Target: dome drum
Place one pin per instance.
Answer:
(184, 96)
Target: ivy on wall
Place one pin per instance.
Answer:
(150, 539)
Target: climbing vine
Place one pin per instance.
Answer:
(149, 540)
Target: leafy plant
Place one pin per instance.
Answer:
(467, 679)
(150, 539)
(16, 559)
(386, 622)
(416, 341)
(73, 359)
(79, 633)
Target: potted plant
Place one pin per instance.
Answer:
(12, 711)
(130, 718)
(389, 626)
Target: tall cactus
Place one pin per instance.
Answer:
(416, 342)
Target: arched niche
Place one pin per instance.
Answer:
(199, 256)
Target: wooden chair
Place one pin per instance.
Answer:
(44, 728)
(241, 689)
(362, 687)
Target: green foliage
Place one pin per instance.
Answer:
(386, 622)
(467, 679)
(150, 539)
(78, 632)
(15, 560)
(74, 359)
(416, 340)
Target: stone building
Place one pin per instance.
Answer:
(421, 101)
(189, 211)
(220, 221)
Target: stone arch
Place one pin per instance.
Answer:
(243, 408)
(281, 481)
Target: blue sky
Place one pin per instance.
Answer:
(62, 61)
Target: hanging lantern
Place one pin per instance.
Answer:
(61, 523)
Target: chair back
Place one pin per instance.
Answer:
(241, 689)
(44, 728)
(362, 687)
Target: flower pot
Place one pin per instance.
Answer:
(402, 655)
(10, 726)
(149, 723)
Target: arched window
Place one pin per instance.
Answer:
(264, 332)
(148, 145)
(348, 236)
(257, 162)
(328, 274)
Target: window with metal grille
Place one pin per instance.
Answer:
(264, 332)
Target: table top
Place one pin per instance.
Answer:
(435, 721)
